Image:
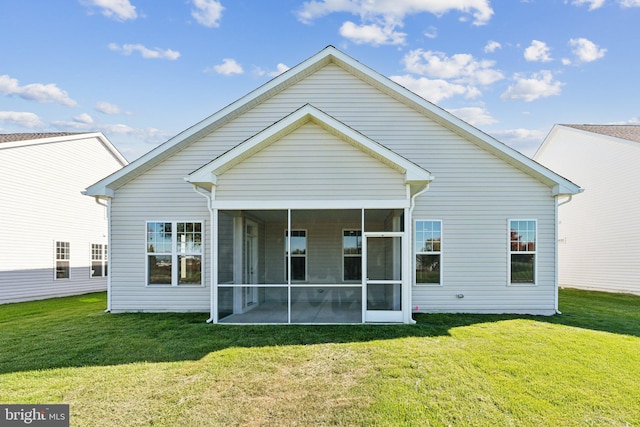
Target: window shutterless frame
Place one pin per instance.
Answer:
(173, 248)
(99, 261)
(62, 260)
(352, 253)
(301, 254)
(427, 252)
(522, 252)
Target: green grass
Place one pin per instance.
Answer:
(581, 368)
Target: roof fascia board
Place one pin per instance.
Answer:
(554, 130)
(208, 172)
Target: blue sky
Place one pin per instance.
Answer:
(142, 71)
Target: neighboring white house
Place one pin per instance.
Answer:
(270, 210)
(53, 240)
(599, 231)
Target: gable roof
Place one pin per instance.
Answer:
(330, 54)
(628, 132)
(207, 174)
(13, 140)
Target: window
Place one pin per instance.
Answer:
(98, 260)
(352, 255)
(522, 251)
(174, 253)
(428, 247)
(298, 255)
(62, 260)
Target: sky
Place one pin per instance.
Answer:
(142, 71)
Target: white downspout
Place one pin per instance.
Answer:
(557, 284)
(107, 206)
(409, 225)
(212, 253)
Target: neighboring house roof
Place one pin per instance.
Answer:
(330, 54)
(13, 137)
(628, 132)
(13, 140)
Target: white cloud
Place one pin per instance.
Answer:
(207, 12)
(23, 119)
(596, 4)
(492, 46)
(525, 141)
(35, 91)
(538, 85)
(280, 68)
(462, 68)
(435, 90)
(537, 52)
(474, 115)
(586, 50)
(373, 34)
(84, 118)
(394, 11)
(146, 53)
(431, 33)
(593, 4)
(108, 108)
(119, 10)
(631, 121)
(148, 135)
(228, 67)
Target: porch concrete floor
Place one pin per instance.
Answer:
(301, 312)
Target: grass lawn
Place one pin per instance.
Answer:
(581, 368)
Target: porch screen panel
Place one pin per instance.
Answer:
(251, 279)
(326, 296)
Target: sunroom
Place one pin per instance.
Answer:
(311, 224)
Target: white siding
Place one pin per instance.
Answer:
(474, 194)
(599, 229)
(310, 164)
(41, 203)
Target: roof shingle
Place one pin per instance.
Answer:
(628, 132)
(14, 137)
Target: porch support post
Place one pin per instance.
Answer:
(407, 277)
(214, 265)
(289, 265)
(363, 269)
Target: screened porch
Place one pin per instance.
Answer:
(306, 266)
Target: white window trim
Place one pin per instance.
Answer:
(174, 255)
(357, 281)
(306, 256)
(55, 259)
(416, 253)
(509, 253)
(104, 258)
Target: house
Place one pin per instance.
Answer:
(599, 230)
(54, 239)
(332, 195)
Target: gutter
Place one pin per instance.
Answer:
(556, 290)
(211, 251)
(107, 206)
(409, 237)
